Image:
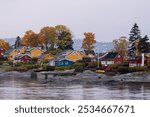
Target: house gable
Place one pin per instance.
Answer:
(36, 52)
(75, 56)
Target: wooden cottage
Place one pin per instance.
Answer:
(111, 58)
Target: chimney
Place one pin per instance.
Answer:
(142, 60)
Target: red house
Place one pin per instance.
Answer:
(111, 58)
(2, 52)
(22, 58)
(137, 61)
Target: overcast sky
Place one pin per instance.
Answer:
(108, 19)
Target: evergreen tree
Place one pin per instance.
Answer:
(143, 45)
(17, 42)
(135, 37)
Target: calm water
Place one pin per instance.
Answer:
(14, 88)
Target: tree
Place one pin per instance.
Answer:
(4, 45)
(88, 41)
(30, 39)
(64, 35)
(17, 42)
(48, 37)
(121, 46)
(143, 45)
(135, 37)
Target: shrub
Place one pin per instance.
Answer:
(114, 66)
(62, 68)
(20, 68)
(137, 69)
(28, 66)
(34, 60)
(126, 64)
(18, 64)
(93, 64)
(77, 64)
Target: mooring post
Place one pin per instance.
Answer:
(46, 76)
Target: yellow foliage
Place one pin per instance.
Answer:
(4, 45)
(88, 41)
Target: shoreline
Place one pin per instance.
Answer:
(85, 77)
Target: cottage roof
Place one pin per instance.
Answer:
(63, 59)
(110, 56)
(44, 54)
(20, 56)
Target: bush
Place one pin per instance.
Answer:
(63, 68)
(77, 64)
(28, 66)
(20, 68)
(34, 60)
(138, 69)
(114, 66)
(93, 64)
(126, 64)
(18, 64)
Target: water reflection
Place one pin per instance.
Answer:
(19, 88)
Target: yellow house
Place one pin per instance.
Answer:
(12, 54)
(148, 58)
(46, 57)
(36, 52)
(75, 55)
(20, 50)
(23, 50)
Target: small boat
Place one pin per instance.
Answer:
(100, 71)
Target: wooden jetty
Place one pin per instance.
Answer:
(58, 73)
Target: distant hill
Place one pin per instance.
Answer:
(11, 41)
(99, 46)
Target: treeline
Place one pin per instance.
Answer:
(50, 38)
(133, 46)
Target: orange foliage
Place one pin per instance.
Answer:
(30, 39)
(88, 41)
(121, 46)
(4, 45)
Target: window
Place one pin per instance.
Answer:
(61, 63)
(66, 63)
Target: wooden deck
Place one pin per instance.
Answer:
(58, 73)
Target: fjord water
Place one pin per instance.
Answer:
(20, 88)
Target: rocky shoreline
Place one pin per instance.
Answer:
(85, 77)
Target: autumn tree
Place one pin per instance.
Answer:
(88, 41)
(121, 46)
(4, 45)
(30, 39)
(64, 35)
(48, 37)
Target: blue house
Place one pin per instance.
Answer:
(64, 62)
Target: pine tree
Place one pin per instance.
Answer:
(17, 42)
(135, 37)
(143, 45)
